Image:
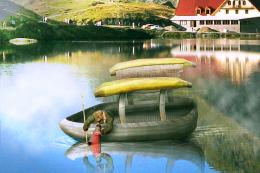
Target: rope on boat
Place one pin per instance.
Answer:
(83, 109)
(84, 116)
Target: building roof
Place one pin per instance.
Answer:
(256, 3)
(188, 7)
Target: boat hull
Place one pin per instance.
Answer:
(139, 84)
(145, 126)
(150, 62)
(22, 41)
(171, 70)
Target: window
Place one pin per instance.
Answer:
(217, 48)
(229, 2)
(202, 22)
(198, 11)
(246, 11)
(227, 11)
(226, 22)
(244, 2)
(226, 48)
(183, 22)
(234, 2)
(234, 22)
(209, 48)
(208, 11)
(236, 11)
(217, 22)
(234, 48)
(209, 22)
(239, 3)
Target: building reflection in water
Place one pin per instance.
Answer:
(236, 59)
(176, 155)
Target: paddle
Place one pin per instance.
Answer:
(84, 116)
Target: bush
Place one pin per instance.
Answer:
(6, 35)
(97, 3)
(35, 30)
(44, 31)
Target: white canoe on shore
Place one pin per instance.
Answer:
(22, 41)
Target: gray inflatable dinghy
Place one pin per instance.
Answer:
(142, 121)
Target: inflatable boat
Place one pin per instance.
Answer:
(140, 118)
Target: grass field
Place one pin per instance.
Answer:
(85, 11)
(142, 12)
(17, 21)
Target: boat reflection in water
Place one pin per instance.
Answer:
(177, 156)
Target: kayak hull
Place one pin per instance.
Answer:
(139, 84)
(150, 62)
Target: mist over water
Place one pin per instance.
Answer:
(43, 83)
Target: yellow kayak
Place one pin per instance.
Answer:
(22, 41)
(149, 62)
(137, 84)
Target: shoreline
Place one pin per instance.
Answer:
(210, 35)
(50, 32)
(63, 32)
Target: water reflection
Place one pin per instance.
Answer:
(240, 102)
(39, 99)
(176, 157)
(43, 83)
(235, 59)
(100, 167)
(128, 49)
(227, 145)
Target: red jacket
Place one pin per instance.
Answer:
(95, 143)
(95, 138)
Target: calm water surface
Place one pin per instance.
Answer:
(41, 84)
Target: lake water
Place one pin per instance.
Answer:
(43, 83)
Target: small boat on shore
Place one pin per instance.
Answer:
(22, 41)
(166, 118)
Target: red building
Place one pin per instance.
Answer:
(220, 15)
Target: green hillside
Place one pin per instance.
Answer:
(125, 13)
(16, 19)
(110, 11)
(12, 15)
